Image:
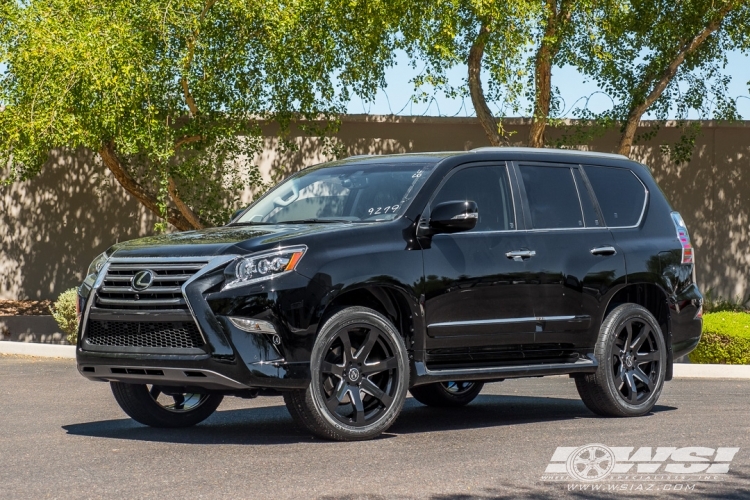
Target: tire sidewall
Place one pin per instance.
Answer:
(332, 326)
(610, 328)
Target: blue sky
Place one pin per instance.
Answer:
(573, 86)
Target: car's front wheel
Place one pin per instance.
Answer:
(447, 394)
(632, 364)
(360, 376)
(157, 406)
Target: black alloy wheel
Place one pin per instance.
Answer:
(447, 394)
(635, 360)
(158, 406)
(632, 364)
(359, 377)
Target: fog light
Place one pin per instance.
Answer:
(253, 325)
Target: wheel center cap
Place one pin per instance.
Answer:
(629, 361)
(353, 374)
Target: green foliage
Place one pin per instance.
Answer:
(725, 340)
(64, 312)
(178, 89)
(439, 36)
(713, 303)
(632, 48)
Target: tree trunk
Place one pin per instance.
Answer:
(140, 193)
(484, 114)
(638, 109)
(548, 49)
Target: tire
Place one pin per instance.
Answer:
(358, 395)
(628, 381)
(149, 405)
(447, 394)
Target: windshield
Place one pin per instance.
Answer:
(348, 192)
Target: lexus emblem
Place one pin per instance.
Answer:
(142, 280)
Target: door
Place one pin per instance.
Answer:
(576, 259)
(475, 294)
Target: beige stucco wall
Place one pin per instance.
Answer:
(53, 225)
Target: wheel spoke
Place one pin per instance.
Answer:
(369, 343)
(640, 338)
(379, 366)
(632, 392)
(638, 373)
(179, 401)
(629, 329)
(647, 357)
(334, 401)
(332, 368)
(358, 406)
(347, 343)
(373, 390)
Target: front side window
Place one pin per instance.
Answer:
(552, 196)
(486, 186)
(620, 193)
(350, 192)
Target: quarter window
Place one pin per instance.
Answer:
(553, 198)
(486, 186)
(620, 193)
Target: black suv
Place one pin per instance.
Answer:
(355, 281)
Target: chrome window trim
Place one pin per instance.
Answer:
(645, 198)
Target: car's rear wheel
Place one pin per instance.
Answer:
(158, 406)
(360, 375)
(447, 394)
(632, 364)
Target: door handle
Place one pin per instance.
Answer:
(605, 250)
(519, 255)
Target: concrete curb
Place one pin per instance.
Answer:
(40, 350)
(680, 370)
(711, 371)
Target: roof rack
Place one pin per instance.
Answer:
(572, 152)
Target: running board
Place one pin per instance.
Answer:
(423, 375)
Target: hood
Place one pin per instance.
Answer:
(223, 240)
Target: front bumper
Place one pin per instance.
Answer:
(227, 359)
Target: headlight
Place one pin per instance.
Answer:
(266, 265)
(94, 269)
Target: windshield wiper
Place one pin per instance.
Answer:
(315, 221)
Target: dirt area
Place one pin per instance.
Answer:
(25, 307)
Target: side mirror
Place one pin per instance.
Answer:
(235, 215)
(454, 217)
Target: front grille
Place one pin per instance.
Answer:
(165, 335)
(165, 292)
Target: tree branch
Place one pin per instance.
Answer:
(484, 114)
(637, 111)
(185, 210)
(186, 140)
(147, 199)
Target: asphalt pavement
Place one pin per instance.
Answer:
(62, 436)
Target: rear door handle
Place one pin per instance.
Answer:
(605, 250)
(519, 255)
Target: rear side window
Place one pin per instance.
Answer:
(553, 198)
(620, 193)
